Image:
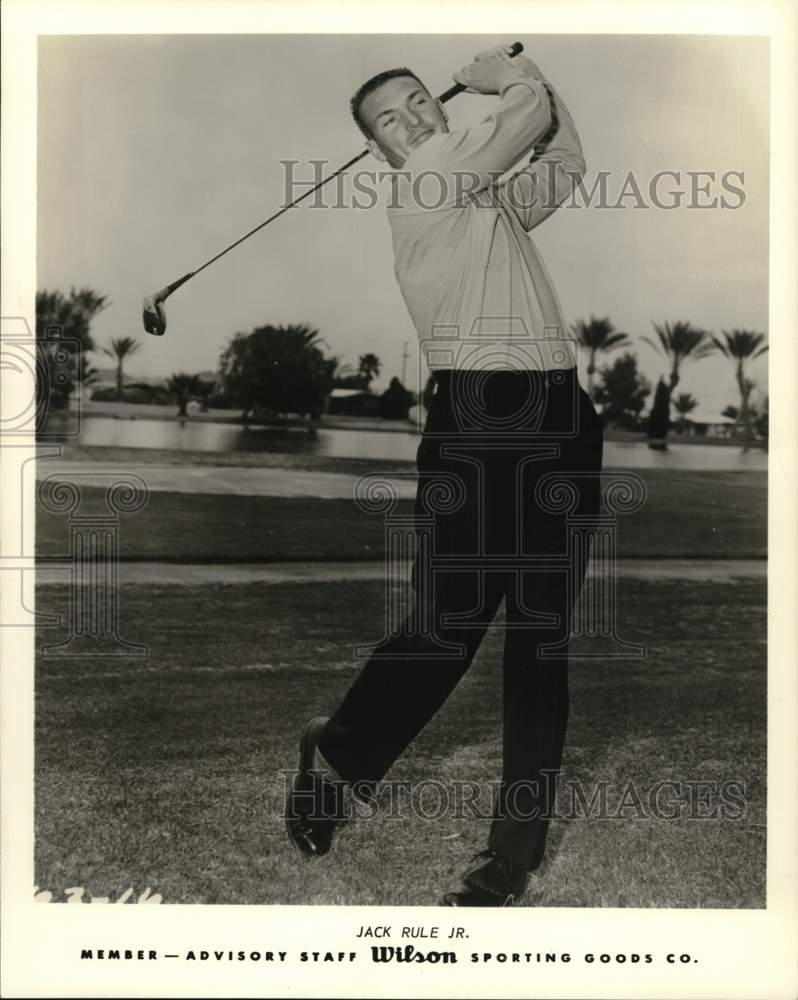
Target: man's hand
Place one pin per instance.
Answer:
(493, 68)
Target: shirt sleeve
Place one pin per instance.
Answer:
(482, 153)
(556, 168)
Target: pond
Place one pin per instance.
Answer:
(191, 435)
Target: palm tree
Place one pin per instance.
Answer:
(597, 336)
(121, 348)
(88, 301)
(277, 370)
(680, 342)
(183, 387)
(684, 404)
(369, 368)
(739, 346)
(63, 342)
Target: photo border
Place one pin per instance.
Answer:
(740, 953)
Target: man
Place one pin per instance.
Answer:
(508, 435)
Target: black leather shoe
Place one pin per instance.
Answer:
(315, 804)
(494, 881)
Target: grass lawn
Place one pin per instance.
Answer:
(123, 457)
(165, 772)
(712, 515)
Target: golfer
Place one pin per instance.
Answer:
(508, 464)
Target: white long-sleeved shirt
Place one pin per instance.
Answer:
(474, 283)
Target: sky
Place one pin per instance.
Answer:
(156, 151)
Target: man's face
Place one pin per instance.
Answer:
(401, 115)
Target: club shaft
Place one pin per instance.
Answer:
(296, 201)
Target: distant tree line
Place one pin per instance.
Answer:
(64, 342)
(278, 370)
(622, 391)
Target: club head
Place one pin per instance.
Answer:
(154, 315)
(153, 312)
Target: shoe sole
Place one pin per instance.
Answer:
(307, 749)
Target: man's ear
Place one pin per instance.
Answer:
(443, 111)
(375, 150)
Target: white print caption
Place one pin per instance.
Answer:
(76, 893)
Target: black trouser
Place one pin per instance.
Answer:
(509, 467)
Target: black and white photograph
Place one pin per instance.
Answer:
(390, 516)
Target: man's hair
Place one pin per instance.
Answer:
(370, 86)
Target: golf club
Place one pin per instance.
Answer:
(154, 313)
